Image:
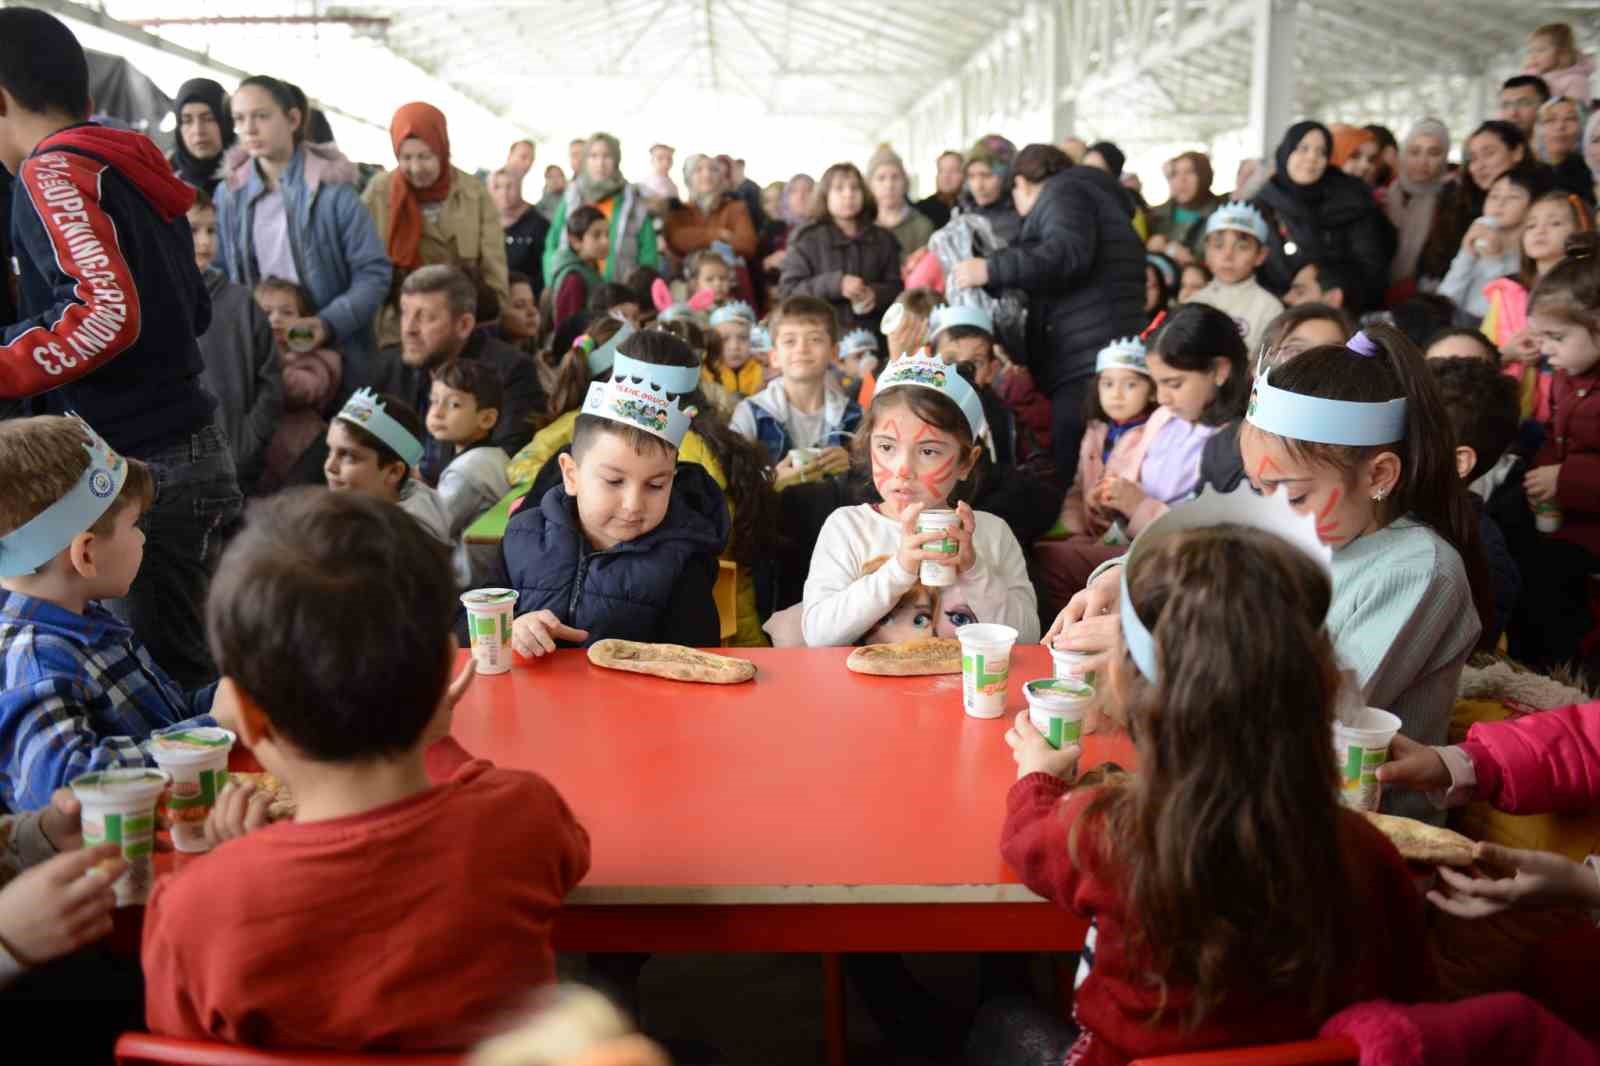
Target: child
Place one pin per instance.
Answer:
(627, 545)
(1553, 55)
(799, 409)
(1236, 246)
(706, 347)
(1461, 342)
(1492, 246)
(521, 324)
(575, 271)
(462, 411)
(1160, 285)
(734, 368)
(310, 382)
(80, 693)
(55, 896)
(1188, 956)
(857, 361)
(373, 444)
(1565, 315)
(1301, 328)
(617, 300)
(393, 831)
(921, 441)
(1196, 276)
(905, 328)
(707, 272)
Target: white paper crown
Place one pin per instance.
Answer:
(952, 315)
(924, 371)
(760, 339)
(1323, 421)
(646, 396)
(1241, 507)
(737, 311)
(1238, 216)
(366, 410)
(857, 340)
(1124, 353)
(40, 538)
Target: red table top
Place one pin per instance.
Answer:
(810, 784)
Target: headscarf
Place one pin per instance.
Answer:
(705, 202)
(1413, 204)
(1291, 140)
(1346, 139)
(788, 187)
(997, 153)
(1115, 157)
(1205, 175)
(426, 123)
(202, 173)
(591, 191)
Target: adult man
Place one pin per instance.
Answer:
(1520, 100)
(576, 150)
(659, 185)
(438, 323)
(110, 305)
(555, 185)
(525, 227)
(519, 160)
(1322, 282)
(947, 178)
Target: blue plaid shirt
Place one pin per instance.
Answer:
(80, 693)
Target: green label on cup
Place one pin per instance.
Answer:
(984, 682)
(485, 625)
(1064, 732)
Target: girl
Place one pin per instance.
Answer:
(1492, 246)
(1187, 954)
(921, 441)
(1160, 285)
(1491, 150)
(1553, 55)
(710, 278)
(1299, 329)
(730, 362)
(310, 383)
(1196, 276)
(841, 255)
(1551, 620)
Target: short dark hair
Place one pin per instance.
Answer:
(1338, 274)
(1482, 405)
(964, 333)
(1528, 81)
(460, 291)
(290, 622)
(808, 308)
(273, 283)
(1491, 353)
(697, 260)
(611, 294)
(401, 412)
(515, 278)
(475, 377)
(202, 200)
(579, 221)
(1421, 315)
(1037, 162)
(42, 65)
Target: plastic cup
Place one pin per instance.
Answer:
(197, 759)
(985, 667)
(489, 624)
(1072, 665)
(938, 575)
(301, 338)
(1056, 706)
(119, 807)
(1547, 517)
(1362, 746)
(800, 458)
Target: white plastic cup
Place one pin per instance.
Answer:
(197, 759)
(1486, 222)
(985, 667)
(938, 575)
(119, 807)
(1072, 665)
(1361, 746)
(1056, 707)
(1547, 517)
(489, 625)
(800, 458)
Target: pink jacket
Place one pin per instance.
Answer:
(1126, 457)
(1571, 82)
(1540, 762)
(1498, 1028)
(310, 379)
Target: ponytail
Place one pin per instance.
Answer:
(572, 378)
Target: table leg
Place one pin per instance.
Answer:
(834, 1018)
(1066, 972)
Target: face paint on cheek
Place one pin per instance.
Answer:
(938, 481)
(1328, 528)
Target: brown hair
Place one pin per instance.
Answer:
(934, 408)
(819, 195)
(1040, 162)
(395, 408)
(1528, 273)
(478, 379)
(1202, 170)
(572, 379)
(805, 309)
(1561, 36)
(273, 283)
(1571, 291)
(42, 458)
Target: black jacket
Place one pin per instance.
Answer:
(525, 247)
(1082, 266)
(937, 211)
(1221, 464)
(1002, 215)
(243, 372)
(1340, 221)
(820, 255)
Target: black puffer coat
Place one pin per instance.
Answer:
(1082, 266)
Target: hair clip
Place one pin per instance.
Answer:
(583, 343)
(1364, 346)
(1155, 324)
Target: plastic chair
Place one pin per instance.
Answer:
(1335, 1051)
(726, 593)
(147, 1049)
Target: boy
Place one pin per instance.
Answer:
(1330, 281)
(737, 370)
(626, 546)
(241, 360)
(330, 620)
(1236, 246)
(799, 409)
(81, 692)
(707, 271)
(462, 412)
(373, 443)
(575, 270)
(612, 298)
(858, 360)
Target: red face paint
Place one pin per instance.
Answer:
(1328, 529)
(934, 480)
(1265, 465)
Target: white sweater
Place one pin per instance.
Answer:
(841, 605)
(1251, 307)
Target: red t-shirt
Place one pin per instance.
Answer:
(1116, 1001)
(413, 926)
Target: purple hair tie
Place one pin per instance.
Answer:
(1363, 345)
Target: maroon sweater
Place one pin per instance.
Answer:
(1572, 439)
(1116, 1001)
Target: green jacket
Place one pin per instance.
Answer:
(565, 262)
(633, 235)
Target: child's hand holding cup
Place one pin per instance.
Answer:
(1034, 755)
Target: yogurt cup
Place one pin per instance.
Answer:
(1056, 706)
(1361, 746)
(119, 807)
(1072, 665)
(938, 575)
(800, 458)
(197, 759)
(301, 338)
(1547, 517)
(985, 667)
(489, 624)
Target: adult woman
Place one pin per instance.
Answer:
(1491, 150)
(1414, 201)
(430, 212)
(988, 189)
(1355, 151)
(290, 209)
(794, 206)
(840, 256)
(709, 214)
(601, 185)
(205, 133)
(1316, 212)
(1591, 149)
(1083, 269)
(1190, 202)
(886, 175)
(1556, 133)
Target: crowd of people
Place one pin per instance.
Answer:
(1261, 453)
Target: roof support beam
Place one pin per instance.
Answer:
(1272, 73)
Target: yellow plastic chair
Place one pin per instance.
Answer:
(726, 593)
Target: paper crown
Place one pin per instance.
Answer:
(1124, 353)
(924, 371)
(857, 340)
(365, 409)
(1323, 421)
(725, 252)
(645, 396)
(760, 339)
(1238, 216)
(600, 359)
(40, 538)
(681, 312)
(959, 315)
(737, 311)
(1241, 507)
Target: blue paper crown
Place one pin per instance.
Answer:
(601, 358)
(959, 315)
(680, 312)
(646, 396)
(1238, 216)
(737, 311)
(1124, 353)
(42, 537)
(857, 340)
(1241, 507)
(924, 371)
(1314, 418)
(760, 339)
(365, 409)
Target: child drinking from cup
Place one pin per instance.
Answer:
(311, 379)
(374, 442)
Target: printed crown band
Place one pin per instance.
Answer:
(953, 315)
(40, 538)
(365, 409)
(1124, 353)
(924, 371)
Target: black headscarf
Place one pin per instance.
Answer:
(1291, 140)
(203, 173)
